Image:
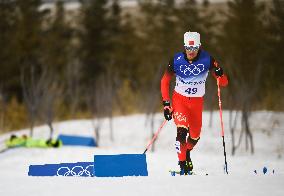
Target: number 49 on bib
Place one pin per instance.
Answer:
(191, 90)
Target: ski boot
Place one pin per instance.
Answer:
(189, 162)
(185, 167)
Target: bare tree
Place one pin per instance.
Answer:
(32, 85)
(100, 103)
(3, 105)
(40, 90)
(52, 92)
(242, 96)
(73, 90)
(233, 118)
(110, 94)
(93, 104)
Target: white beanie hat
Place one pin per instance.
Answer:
(192, 39)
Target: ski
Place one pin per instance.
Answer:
(4, 150)
(175, 172)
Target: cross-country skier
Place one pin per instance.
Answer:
(25, 141)
(190, 69)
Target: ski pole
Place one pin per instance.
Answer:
(155, 136)
(222, 125)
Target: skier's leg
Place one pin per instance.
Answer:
(180, 115)
(180, 144)
(191, 142)
(181, 147)
(195, 123)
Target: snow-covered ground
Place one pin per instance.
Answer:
(131, 135)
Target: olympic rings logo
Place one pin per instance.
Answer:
(76, 171)
(192, 69)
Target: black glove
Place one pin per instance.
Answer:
(218, 71)
(167, 110)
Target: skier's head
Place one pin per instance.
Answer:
(24, 136)
(191, 44)
(12, 137)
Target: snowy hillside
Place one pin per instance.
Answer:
(131, 135)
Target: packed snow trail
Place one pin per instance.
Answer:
(133, 138)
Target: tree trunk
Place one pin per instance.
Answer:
(211, 118)
(97, 128)
(246, 127)
(249, 137)
(111, 128)
(232, 130)
(51, 130)
(32, 128)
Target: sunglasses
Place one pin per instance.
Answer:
(192, 48)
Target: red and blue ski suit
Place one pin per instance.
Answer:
(187, 98)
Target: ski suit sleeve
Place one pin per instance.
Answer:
(165, 82)
(223, 79)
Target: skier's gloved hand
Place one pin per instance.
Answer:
(167, 110)
(218, 71)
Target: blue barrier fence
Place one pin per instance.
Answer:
(75, 140)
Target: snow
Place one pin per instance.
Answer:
(131, 135)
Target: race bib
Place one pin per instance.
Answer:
(191, 87)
